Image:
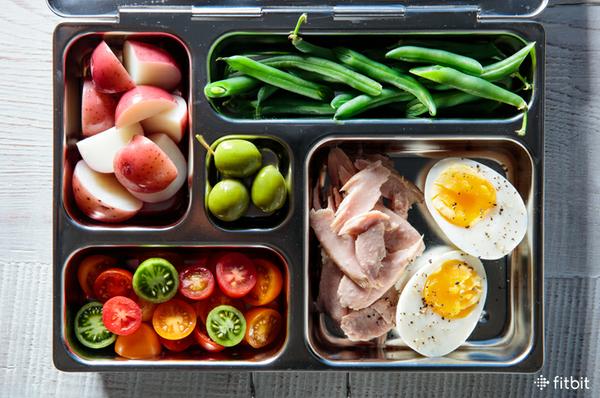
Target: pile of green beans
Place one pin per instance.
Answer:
(419, 77)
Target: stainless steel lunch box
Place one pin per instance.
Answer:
(511, 337)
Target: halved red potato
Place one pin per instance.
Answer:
(97, 110)
(99, 150)
(170, 148)
(101, 197)
(172, 122)
(108, 74)
(142, 103)
(150, 65)
(142, 166)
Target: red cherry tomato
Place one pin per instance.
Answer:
(236, 274)
(113, 282)
(196, 282)
(89, 269)
(204, 341)
(177, 345)
(121, 315)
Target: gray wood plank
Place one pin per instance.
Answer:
(300, 384)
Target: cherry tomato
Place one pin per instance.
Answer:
(174, 319)
(121, 315)
(196, 282)
(147, 308)
(143, 343)
(113, 282)
(204, 341)
(203, 307)
(177, 345)
(263, 326)
(89, 269)
(236, 274)
(268, 283)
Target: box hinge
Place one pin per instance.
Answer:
(455, 16)
(216, 12)
(344, 12)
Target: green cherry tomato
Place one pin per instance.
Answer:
(89, 328)
(226, 325)
(237, 158)
(156, 280)
(269, 190)
(228, 200)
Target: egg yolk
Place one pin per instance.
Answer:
(462, 196)
(453, 290)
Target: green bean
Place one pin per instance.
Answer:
(306, 47)
(326, 67)
(508, 66)
(230, 86)
(296, 107)
(311, 76)
(442, 100)
(263, 93)
(470, 84)
(341, 99)
(385, 74)
(438, 57)
(474, 49)
(364, 102)
(278, 78)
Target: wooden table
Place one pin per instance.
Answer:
(572, 239)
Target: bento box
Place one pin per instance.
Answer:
(185, 229)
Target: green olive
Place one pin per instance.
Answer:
(228, 200)
(269, 190)
(237, 158)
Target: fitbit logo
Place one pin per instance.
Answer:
(563, 383)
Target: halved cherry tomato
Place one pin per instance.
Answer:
(263, 326)
(147, 308)
(203, 307)
(196, 282)
(89, 269)
(144, 343)
(174, 319)
(121, 315)
(204, 341)
(113, 282)
(178, 345)
(236, 274)
(268, 283)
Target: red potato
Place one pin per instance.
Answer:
(141, 166)
(172, 122)
(101, 197)
(108, 74)
(170, 148)
(97, 110)
(151, 65)
(99, 150)
(142, 103)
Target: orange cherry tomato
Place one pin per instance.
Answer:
(269, 282)
(262, 326)
(141, 344)
(89, 269)
(174, 319)
(113, 282)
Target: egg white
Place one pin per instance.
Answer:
(499, 231)
(422, 329)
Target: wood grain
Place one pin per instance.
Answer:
(572, 232)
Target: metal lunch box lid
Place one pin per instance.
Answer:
(483, 9)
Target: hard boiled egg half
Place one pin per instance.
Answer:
(477, 209)
(441, 303)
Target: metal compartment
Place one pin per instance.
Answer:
(199, 28)
(506, 333)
